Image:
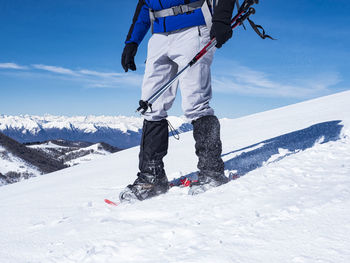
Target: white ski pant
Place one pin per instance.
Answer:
(167, 54)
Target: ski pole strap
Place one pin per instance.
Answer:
(173, 131)
(256, 29)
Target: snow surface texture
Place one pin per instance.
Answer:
(291, 204)
(119, 131)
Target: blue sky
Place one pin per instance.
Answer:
(62, 57)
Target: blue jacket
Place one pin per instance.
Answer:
(141, 21)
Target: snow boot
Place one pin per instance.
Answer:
(146, 185)
(206, 132)
(151, 180)
(207, 180)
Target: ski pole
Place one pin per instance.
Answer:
(243, 13)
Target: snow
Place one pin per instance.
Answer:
(119, 131)
(95, 154)
(46, 145)
(292, 207)
(11, 163)
(88, 124)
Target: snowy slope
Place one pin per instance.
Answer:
(95, 151)
(11, 163)
(18, 162)
(74, 153)
(291, 209)
(119, 131)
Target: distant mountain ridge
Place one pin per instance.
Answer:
(22, 161)
(19, 162)
(119, 131)
(30, 155)
(73, 153)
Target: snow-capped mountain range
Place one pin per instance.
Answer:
(67, 140)
(119, 131)
(291, 203)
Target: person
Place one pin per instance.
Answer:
(180, 29)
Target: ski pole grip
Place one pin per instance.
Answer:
(143, 106)
(246, 4)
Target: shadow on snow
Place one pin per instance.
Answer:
(254, 156)
(272, 150)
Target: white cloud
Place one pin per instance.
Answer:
(246, 81)
(239, 80)
(55, 69)
(11, 66)
(119, 81)
(100, 74)
(95, 79)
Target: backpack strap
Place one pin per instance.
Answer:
(151, 18)
(207, 11)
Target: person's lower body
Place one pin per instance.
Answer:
(166, 54)
(151, 180)
(206, 132)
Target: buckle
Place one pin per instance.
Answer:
(177, 10)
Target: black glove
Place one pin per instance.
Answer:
(221, 31)
(128, 56)
(221, 28)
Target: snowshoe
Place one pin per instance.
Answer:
(206, 181)
(144, 187)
